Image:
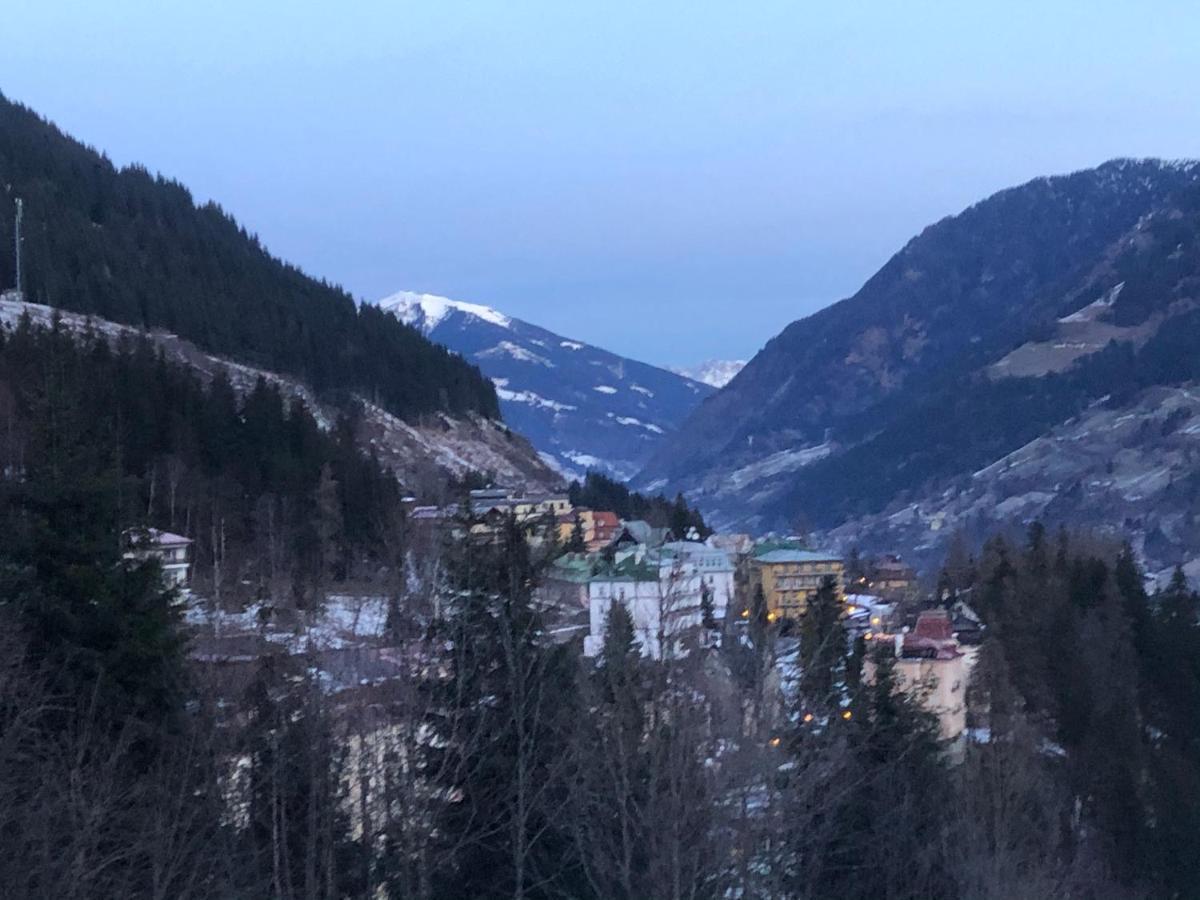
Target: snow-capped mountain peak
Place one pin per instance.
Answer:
(426, 311)
(714, 372)
(581, 406)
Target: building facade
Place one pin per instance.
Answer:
(172, 551)
(935, 667)
(663, 591)
(789, 577)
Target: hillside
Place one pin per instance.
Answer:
(581, 406)
(134, 248)
(423, 454)
(986, 332)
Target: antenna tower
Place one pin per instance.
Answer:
(17, 243)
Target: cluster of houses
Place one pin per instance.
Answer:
(681, 591)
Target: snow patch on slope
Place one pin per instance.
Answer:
(629, 420)
(531, 398)
(714, 372)
(508, 348)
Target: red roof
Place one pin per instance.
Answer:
(934, 624)
(607, 520)
(933, 636)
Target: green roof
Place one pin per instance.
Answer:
(771, 555)
(575, 567)
(627, 570)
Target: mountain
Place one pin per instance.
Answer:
(134, 248)
(1015, 326)
(582, 407)
(713, 372)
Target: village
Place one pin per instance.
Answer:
(685, 594)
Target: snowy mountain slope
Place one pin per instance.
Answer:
(421, 453)
(713, 372)
(582, 407)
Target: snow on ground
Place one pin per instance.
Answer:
(629, 420)
(12, 309)
(531, 398)
(571, 345)
(641, 390)
(778, 463)
(1096, 308)
(583, 459)
(345, 621)
(559, 465)
(516, 351)
(604, 389)
(428, 310)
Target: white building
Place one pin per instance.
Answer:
(709, 563)
(662, 591)
(171, 551)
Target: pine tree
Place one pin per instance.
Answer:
(502, 724)
(577, 542)
(892, 796)
(822, 647)
(1178, 603)
(708, 614)
(620, 642)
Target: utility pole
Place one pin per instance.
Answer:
(17, 243)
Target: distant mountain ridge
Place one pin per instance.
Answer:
(991, 329)
(581, 406)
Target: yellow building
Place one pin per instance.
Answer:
(789, 577)
(551, 506)
(600, 527)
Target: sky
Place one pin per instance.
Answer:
(674, 181)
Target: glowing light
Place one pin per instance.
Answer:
(775, 742)
(852, 610)
(808, 717)
(745, 613)
(875, 620)
(868, 636)
(772, 616)
(847, 715)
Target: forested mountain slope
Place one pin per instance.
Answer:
(134, 248)
(250, 464)
(983, 333)
(427, 455)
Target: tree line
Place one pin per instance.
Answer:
(598, 491)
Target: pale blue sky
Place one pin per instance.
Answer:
(673, 181)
